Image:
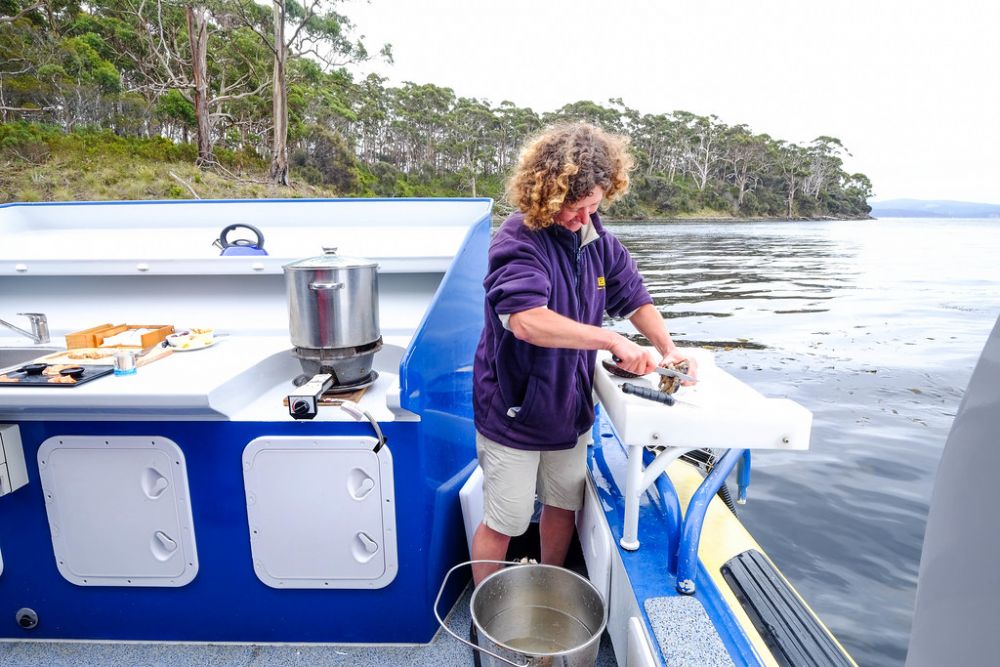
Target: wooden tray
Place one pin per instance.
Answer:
(94, 336)
(100, 356)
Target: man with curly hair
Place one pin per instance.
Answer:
(553, 273)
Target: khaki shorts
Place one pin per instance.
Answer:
(511, 477)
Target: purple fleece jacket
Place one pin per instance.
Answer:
(540, 398)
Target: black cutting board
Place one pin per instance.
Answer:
(25, 380)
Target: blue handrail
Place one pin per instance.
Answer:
(743, 477)
(687, 553)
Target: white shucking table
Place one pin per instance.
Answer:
(719, 412)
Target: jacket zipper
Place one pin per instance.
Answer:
(579, 252)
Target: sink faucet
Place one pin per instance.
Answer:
(39, 327)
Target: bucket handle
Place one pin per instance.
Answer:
(441, 622)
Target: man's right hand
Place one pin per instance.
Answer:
(631, 357)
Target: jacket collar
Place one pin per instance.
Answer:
(587, 235)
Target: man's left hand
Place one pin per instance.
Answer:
(675, 357)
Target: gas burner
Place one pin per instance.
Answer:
(366, 381)
(348, 366)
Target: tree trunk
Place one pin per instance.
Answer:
(198, 36)
(279, 145)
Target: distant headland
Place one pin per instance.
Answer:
(932, 208)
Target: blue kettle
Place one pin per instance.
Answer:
(240, 246)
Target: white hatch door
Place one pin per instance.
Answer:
(321, 512)
(119, 510)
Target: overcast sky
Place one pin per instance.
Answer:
(910, 87)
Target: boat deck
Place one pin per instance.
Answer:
(443, 651)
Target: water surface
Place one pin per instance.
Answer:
(875, 326)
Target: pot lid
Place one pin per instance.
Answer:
(331, 260)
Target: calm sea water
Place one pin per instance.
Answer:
(875, 326)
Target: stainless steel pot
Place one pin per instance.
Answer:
(332, 301)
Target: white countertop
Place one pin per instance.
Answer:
(239, 378)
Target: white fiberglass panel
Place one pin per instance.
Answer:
(321, 512)
(176, 238)
(119, 510)
(595, 541)
(471, 499)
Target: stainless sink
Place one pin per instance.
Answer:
(11, 356)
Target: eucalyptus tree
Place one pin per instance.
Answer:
(420, 124)
(859, 188)
(314, 29)
(21, 35)
(792, 164)
(474, 131)
(657, 137)
(48, 71)
(701, 137)
(165, 46)
(747, 157)
(238, 67)
(372, 107)
(516, 124)
(197, 28)
(14, 10)
(824, 164)
(589, 112)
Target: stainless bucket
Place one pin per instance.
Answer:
(535, 616)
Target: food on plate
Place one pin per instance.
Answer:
(55, 369)
(7, 378)
(191, 339)
(62, 379)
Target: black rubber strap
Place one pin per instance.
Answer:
(792, 632)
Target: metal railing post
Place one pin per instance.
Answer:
(694, 519)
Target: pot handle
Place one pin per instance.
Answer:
(440, 621)
(319, 286)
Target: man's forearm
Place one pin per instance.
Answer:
(649, 322)
(546, 328)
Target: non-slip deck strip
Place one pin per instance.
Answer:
(685, 633)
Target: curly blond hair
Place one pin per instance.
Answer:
(563, 164)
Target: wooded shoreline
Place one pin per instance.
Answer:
(235, 89)
(724, 219)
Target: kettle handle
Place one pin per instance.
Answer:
(326, 286)
(224, 242)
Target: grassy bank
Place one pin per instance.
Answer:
(44, 163)
(38, 165)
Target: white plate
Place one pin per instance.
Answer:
(192, 345)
